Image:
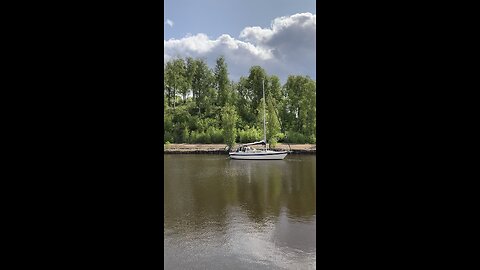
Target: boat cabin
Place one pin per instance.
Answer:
(245, 149)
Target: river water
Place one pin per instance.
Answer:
(239, 214)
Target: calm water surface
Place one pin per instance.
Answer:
(239, 214)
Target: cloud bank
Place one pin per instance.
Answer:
(286, 48)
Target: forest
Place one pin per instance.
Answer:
(203, 106)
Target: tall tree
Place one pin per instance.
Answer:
(300, 105)
(222, 82)
(190, 72)
(273, 90)
(167, 79)
(229, 121)
(244, 101)
(202, 84)
(256, 78)
(175, 80)
(180, 80)
(273, 123)
(310, 108)
(293, 92)
(275, 97)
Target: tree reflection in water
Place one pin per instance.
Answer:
(240, 210)
(199, 189)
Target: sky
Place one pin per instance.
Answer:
(279, 35)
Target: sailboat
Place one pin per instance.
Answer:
(245, 151)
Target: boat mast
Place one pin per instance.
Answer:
(264, 130)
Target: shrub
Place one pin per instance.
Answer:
(199, 137)
(204, 124)
(280, 137)
(295, 137)
(273, 142)
(206, 137)
(167, 137)
(215, 135)
(184, 135)
(181, 134)
(193, 137)
(250, 135)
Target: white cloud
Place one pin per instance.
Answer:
(169, 22)
(286, 48)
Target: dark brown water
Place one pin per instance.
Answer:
(239, 214)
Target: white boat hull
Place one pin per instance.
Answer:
(269, 155)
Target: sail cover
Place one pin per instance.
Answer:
(254, 143)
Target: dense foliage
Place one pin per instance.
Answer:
(203, 106)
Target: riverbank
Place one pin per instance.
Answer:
(220, 148)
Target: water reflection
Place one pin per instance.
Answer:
(220, 212)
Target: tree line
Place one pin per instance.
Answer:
(202, 105)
